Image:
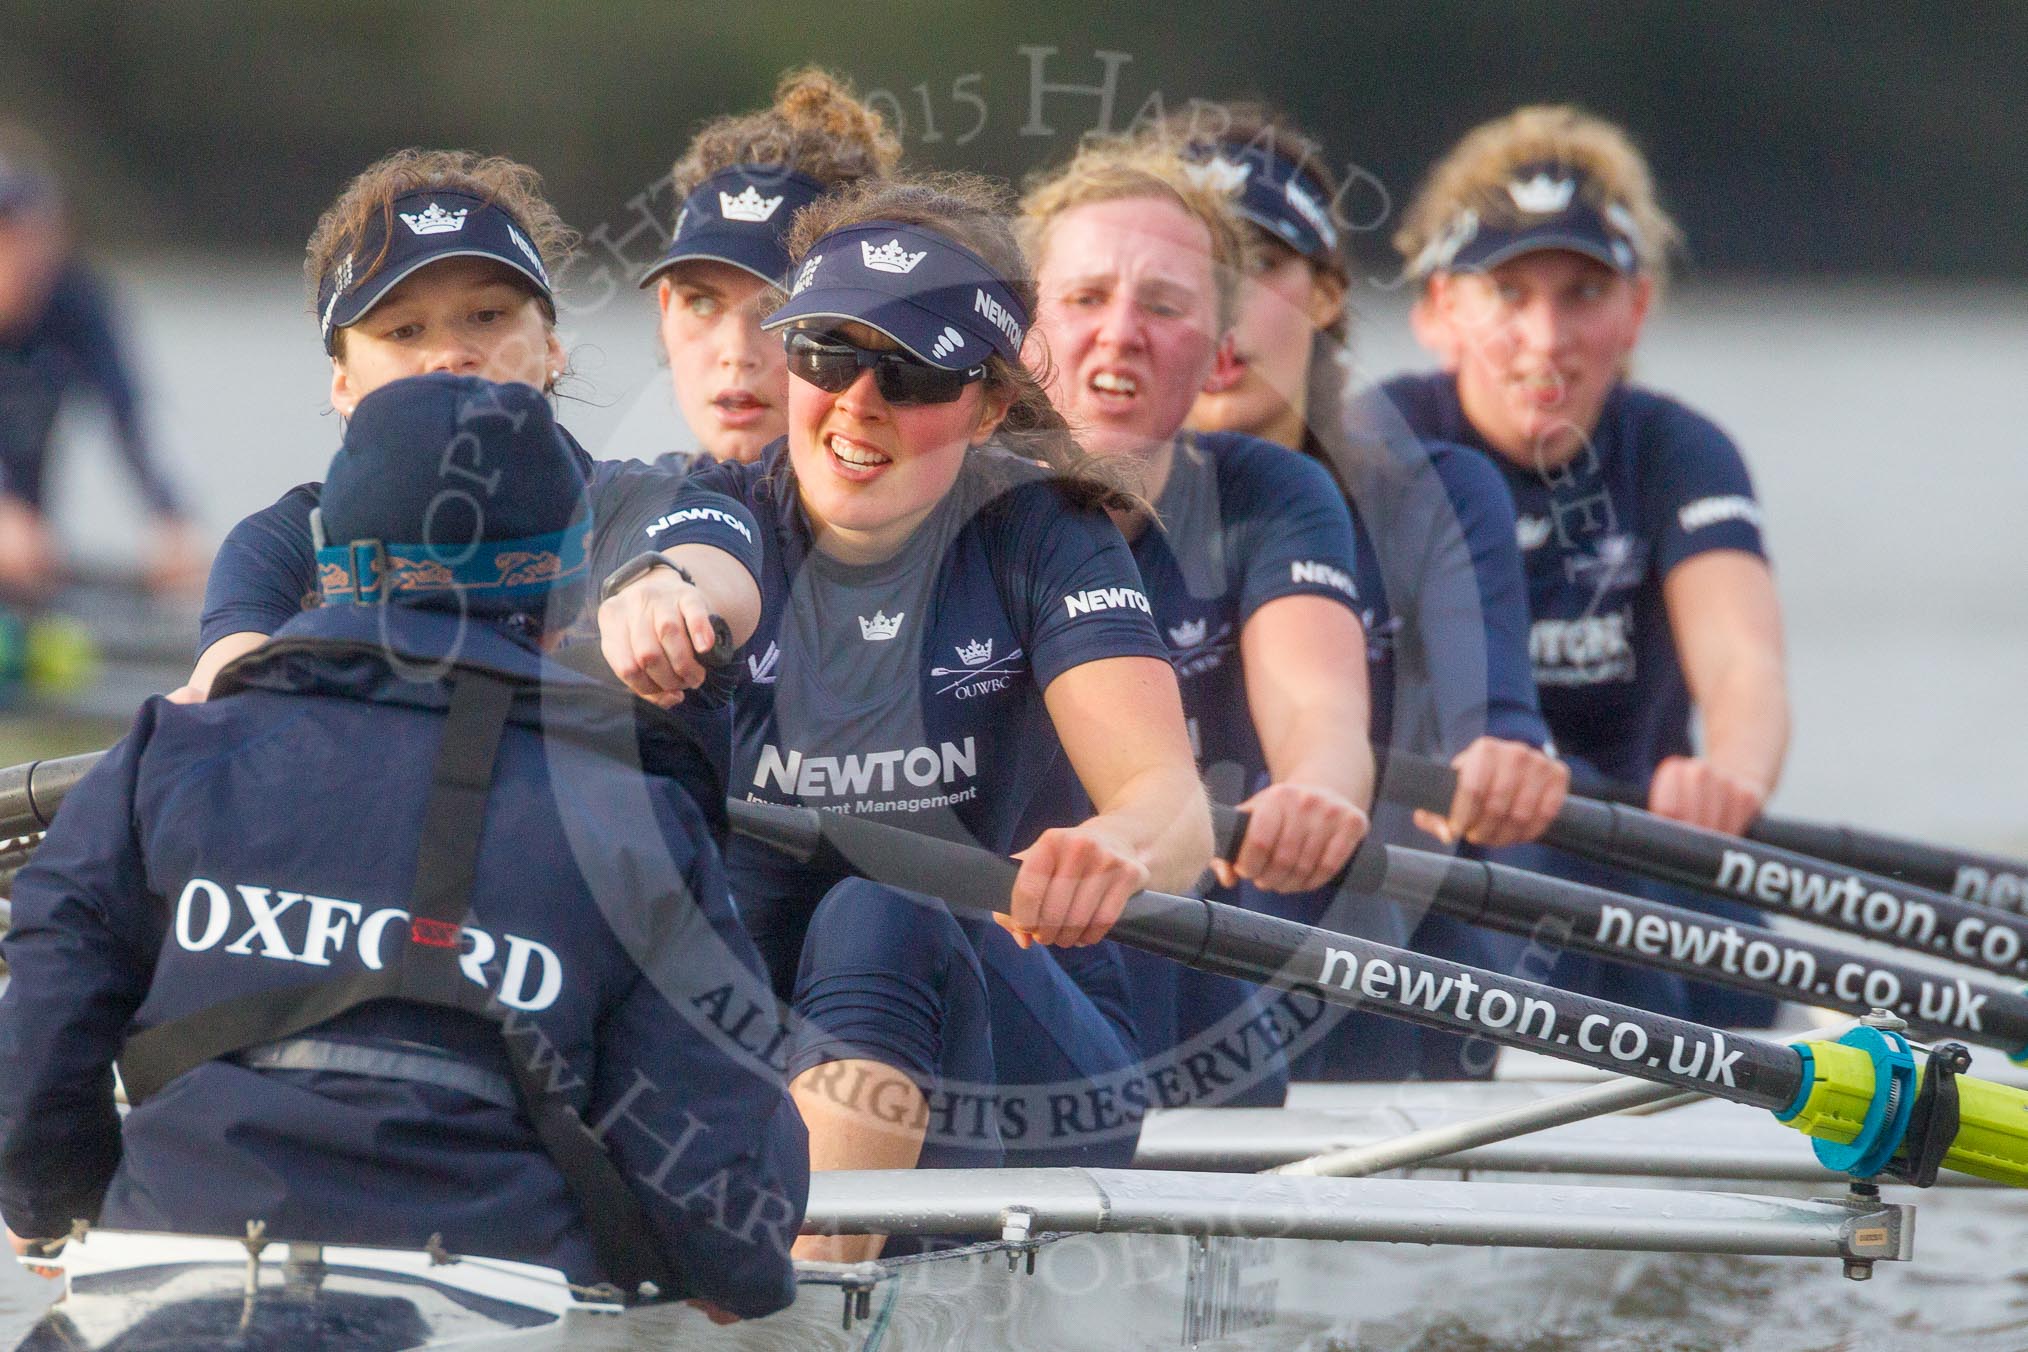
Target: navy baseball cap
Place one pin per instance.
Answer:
(1555, 206)
(740, 216)
(1268, 190)
(424, 227)
(455, 493)
(938, 299)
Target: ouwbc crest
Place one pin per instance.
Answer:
(881, 627)
(890, 257)
(1220, 175)
(1542, 195)
(748, 206)
(435, 220)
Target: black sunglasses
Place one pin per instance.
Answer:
(832, 364)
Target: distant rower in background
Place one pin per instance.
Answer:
(1542, 250)
(742, 180)
(56, 333)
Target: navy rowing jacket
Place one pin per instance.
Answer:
(269, 838)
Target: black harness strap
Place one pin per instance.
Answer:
(427, 972)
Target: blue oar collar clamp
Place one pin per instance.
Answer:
(1887, 1117)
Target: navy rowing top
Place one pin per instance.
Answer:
(913, 688)
(1657, 484)
(1242, 522)
(71, 343)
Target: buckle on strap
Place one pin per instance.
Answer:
(435, 933)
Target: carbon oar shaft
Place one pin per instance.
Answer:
(1341, 969)
(1761, 876)
(1852, 1099)
(1969, 875)
(1704, 948)
(1982, 879)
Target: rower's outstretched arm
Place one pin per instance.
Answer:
(1727, 623)
(1121, 722)
(1305, 663)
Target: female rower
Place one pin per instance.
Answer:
(1542, 250)
(1440, 575)
(741, 182)
(954, 638)
(57, 335)
(1248, 555)
(440, 261)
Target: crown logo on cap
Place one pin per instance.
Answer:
(880, 627)
(1542, 195)
(748, 206)
(1188, 634)
(1220, 175)
(977, 653)
(436, 221)
(890, 257)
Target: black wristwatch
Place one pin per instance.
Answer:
(638, 565)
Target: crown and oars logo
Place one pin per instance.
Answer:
(890, 257)
(748, 206)
(1188, 634)
(881, 627)
(435, 220)
(977, 653)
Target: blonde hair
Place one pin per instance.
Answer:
(512, 186)
(1475, 174)
(1114, 169)
(974, 211)
(816, 126)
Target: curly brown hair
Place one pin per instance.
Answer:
(508, 184)
(975, 211)
(816, 126)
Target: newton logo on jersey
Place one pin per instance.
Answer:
(1306, 570)
(1093, 599)
(813, 778)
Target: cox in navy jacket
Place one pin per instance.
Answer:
(270, 837)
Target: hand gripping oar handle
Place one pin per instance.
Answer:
(1761, 876)
(586, 658)
(1969, 875)
(1692, 944)
(1338, 968)
(1849, 1097)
